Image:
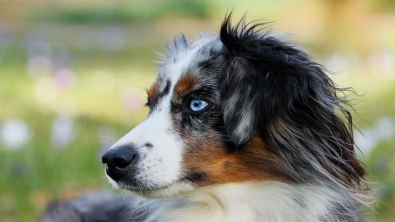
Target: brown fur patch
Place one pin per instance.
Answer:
(252, 162)
(184, 85)
(153, 92)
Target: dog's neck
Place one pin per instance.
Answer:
(263, 201)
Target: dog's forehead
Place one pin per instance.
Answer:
(190, 59)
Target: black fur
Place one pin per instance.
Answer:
(293, 102)
(93, 207)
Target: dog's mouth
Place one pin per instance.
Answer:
(167, 191)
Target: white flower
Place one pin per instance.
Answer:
(15, 134)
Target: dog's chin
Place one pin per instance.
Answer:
(172, 190)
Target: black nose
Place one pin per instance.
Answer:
(119, 160)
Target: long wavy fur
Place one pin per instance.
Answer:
(295, 106)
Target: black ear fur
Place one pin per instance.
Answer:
(262, 78)
(272, 88)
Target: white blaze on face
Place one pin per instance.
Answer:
(160, 162)
(158, 165)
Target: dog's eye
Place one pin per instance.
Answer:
(197, 105)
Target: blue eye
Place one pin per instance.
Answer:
(197, 104)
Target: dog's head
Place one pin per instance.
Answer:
(242, 106)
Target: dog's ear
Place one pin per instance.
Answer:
(272, 88)
(261, 78)
(265, 77)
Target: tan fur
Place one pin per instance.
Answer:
(184, 85)
(221, 166)
(153, 92)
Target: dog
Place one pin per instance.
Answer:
(243, 126)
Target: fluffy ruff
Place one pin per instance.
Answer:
(273, 143)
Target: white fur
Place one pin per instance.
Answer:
(113, 183)
(250, 202)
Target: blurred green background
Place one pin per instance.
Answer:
(73, 76)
